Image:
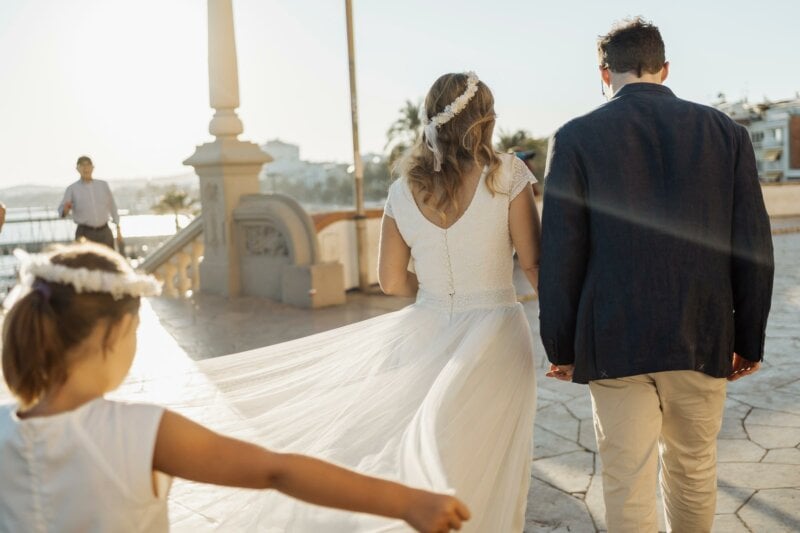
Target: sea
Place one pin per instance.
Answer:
(34, 228)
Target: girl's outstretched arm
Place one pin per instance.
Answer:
(188, 450)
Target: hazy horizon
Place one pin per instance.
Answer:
(127, 82)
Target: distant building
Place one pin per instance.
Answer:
(775, 131)
(286, 164)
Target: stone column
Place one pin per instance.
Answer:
(227, 167)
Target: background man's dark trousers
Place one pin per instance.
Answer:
(101, 235)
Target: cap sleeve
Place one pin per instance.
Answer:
(389, 209)
(521, 176)
(137, 428)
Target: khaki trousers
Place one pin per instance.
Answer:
(675, 415)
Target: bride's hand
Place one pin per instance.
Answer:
(742, 367)
(561, 372)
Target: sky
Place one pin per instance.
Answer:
(127, 82)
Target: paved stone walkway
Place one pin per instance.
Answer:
(759, 446)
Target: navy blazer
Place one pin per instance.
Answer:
(656, 246)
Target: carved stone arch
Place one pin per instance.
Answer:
(272, 232)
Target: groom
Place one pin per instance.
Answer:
(656, 279)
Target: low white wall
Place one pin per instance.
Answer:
(782, 200)
(337, 242)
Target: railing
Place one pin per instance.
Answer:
(177, 262)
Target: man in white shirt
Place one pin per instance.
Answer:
(91, 204)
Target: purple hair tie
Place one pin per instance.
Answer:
(43, 288)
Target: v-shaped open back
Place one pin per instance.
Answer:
(481, 181)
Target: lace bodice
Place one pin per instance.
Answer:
(468, 265)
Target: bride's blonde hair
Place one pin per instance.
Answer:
(464, 140)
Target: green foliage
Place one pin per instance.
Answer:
(175, 201)
(337, 190)
(404, 131)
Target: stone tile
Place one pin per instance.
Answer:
(551, 510)
(758, 475)
(736, 409)
(548, 444)
(765, 417)
(732, 428)
(559, 420)
(728, 523)
(787, 456)
(570, 472)
(581, 406)
(773, 511)
(731, 499)
(594, 501)
(738, 451)
(563, 388)
(772, 436)
(586, 435)
(791, 388)
(545, 393)
(773, 400)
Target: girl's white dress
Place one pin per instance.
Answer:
(87, 470)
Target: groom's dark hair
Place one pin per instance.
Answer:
(633, 45)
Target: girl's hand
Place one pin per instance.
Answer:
(429, 512)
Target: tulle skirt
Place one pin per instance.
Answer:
(437, 400)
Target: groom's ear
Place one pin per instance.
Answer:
(664, 71)
(605, 74)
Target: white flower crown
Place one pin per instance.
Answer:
(451, 110)
(84, 280)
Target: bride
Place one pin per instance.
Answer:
(440, 394)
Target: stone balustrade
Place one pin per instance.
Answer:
(177, 262)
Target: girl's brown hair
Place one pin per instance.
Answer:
(52, 318)
(464, 141)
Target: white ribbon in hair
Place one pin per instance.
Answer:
(433, 144)
(430, 126)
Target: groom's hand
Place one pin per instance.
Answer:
(742, 367)
(561, 372)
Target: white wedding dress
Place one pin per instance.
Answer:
(439, 395)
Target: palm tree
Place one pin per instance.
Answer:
(404, 131)
(175, 201)
(516, 141)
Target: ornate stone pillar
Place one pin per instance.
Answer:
(227, 167)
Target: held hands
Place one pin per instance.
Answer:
(561, 372)
(435, 513)
(742, 367)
